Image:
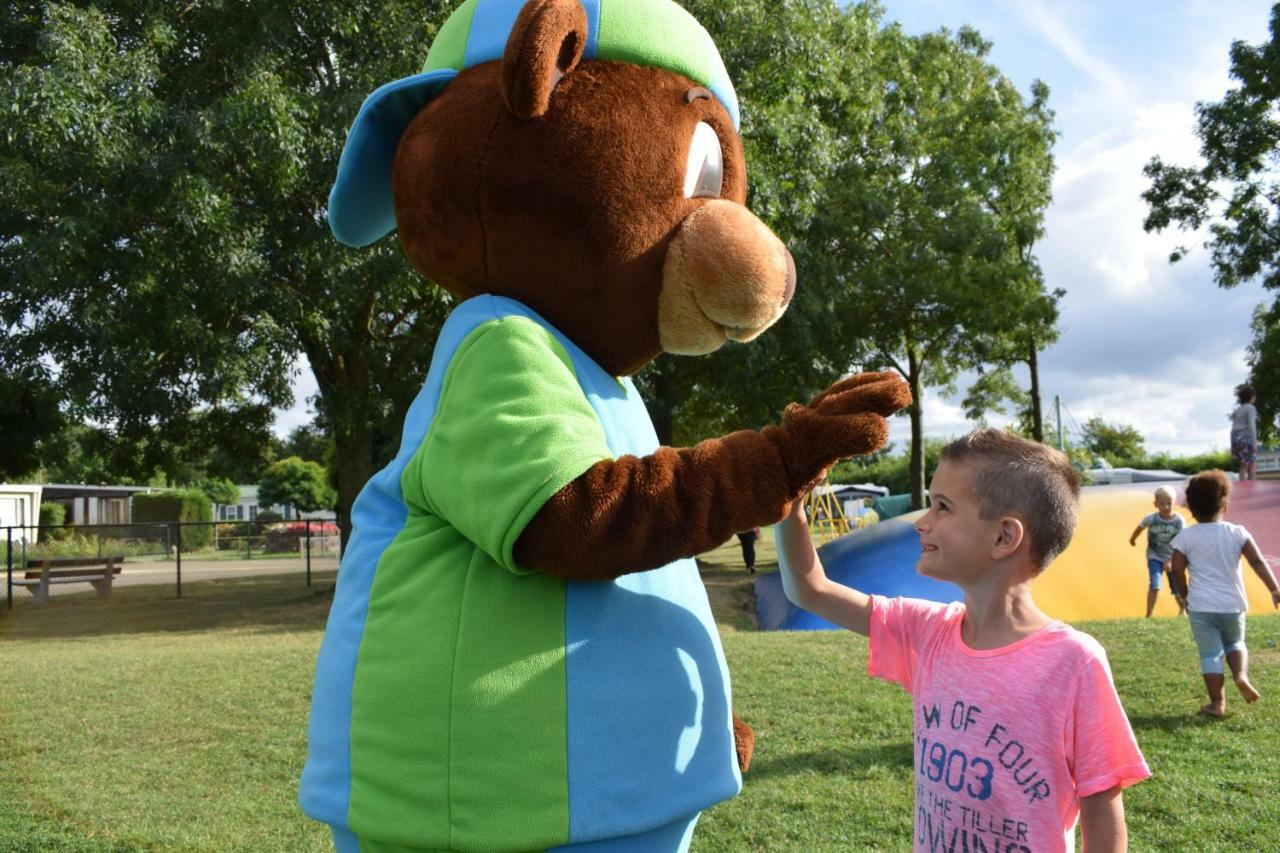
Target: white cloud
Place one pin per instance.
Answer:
(301, 412)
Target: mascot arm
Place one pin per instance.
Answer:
(634, 514)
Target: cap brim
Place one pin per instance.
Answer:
(361, 209)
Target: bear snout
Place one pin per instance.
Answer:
(726, 276)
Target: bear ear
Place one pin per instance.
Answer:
(545, 44)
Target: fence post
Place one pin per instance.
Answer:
(177, 530)
(9, 568)
(308, 535)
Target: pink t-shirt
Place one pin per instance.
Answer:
(1007, 740)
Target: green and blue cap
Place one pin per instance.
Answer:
(654, 33)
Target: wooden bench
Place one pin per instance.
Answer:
(44, 572)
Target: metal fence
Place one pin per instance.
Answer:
(43, 561)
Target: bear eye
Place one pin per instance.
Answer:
(704, 171)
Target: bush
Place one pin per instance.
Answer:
(294, 481)
(52, 518)
(176, 506)
(88, 545)
(1188, 465)
(287, 537)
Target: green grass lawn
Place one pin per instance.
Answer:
(152, 723)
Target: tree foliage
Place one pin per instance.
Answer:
(296, 482)
(164, 169)
(943, 176)
(1235, 194)
(220, 490)
(29, 411)
(1115, 443)
(1264, 368)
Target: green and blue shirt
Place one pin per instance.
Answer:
(464, 701)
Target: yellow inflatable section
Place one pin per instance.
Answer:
(1101, 577)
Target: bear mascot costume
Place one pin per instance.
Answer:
(520, 654)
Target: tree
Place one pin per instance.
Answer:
(220, 490)
(1038, 328)
(163, 240)
(295, 482)
(1235, 193)
(1115, 443)
(939, 195)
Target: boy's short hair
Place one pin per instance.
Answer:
(1168, 492)
(1027, 478)
(1244, 394)
(1207, 494)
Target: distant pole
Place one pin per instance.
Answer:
(308, 534)
(9, 570)
(1057, 407)
(177, 529)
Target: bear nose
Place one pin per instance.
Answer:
(726, 275)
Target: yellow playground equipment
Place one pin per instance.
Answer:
(827, 519)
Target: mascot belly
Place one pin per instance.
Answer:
(470, 704)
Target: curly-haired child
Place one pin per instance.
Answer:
(1216, 600)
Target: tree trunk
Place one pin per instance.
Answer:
(353, 443)
(343, 382)
(660, 405)
(917, 430)
(1037, 415)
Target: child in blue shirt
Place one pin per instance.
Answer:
(1161, 526)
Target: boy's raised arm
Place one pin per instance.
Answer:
(808, 586)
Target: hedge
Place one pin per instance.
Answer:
(192, 505)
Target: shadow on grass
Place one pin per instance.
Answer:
(731, 591)
(1171, 722)
(846, 762)
(280, 603)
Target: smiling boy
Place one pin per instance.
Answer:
(1019, 732)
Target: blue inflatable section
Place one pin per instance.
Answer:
(879, 560)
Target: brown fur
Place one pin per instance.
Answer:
(586, 199)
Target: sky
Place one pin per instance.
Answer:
(1154, 345)
(1146, 343)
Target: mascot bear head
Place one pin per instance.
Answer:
(582, 158)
